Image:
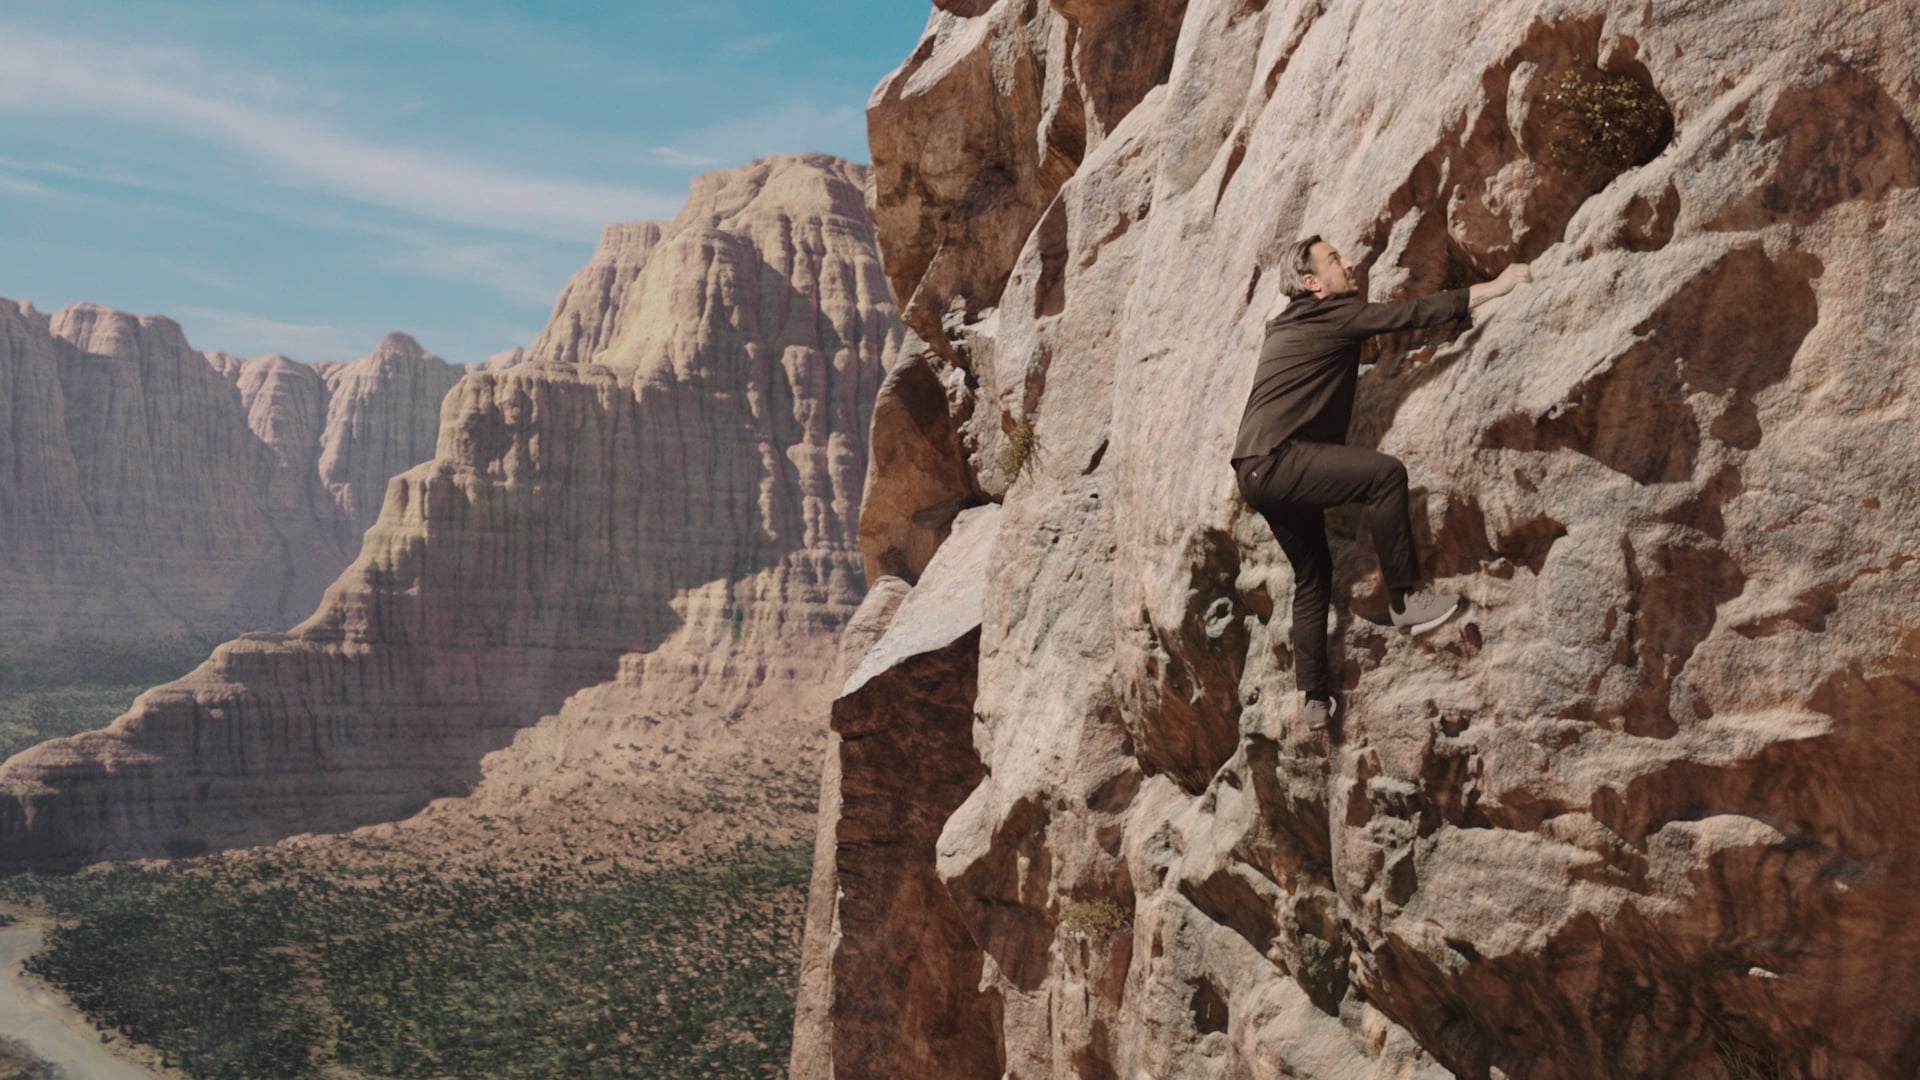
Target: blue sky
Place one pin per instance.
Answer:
(301, 176)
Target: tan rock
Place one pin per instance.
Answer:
(505, 358)
(161, 531)
(894, 984)
(655, 542)
(1646, 803)
(165, 497)
(812, 1052)
(382, 413)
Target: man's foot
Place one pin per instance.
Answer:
(1420, 610)
(1316, 714)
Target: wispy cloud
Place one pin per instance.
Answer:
(530, 43)
(680, 158)
(176, 91)
(743, 47)
(247, 333)
(29, 187)
(503, 269)
(69, 172)
(199, 275)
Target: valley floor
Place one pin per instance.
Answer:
(47, 1026)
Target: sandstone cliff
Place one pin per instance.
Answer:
(157, 496)
(1645, 810)
(655, 508)
(382, 415)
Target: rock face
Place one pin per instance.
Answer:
(1645, 810)
(656, 507)
(382, 418)
(156, 494)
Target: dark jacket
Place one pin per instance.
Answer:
(1310, 363)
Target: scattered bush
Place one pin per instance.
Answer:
(1094, 918)
(1016, 454)
(1602, 123)
(32, 716)
(267, 966)
(83, 662)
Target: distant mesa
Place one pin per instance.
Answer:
(653, 509)
(156, 499)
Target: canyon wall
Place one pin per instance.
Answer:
(648, 518)
(153, 497)
(1644, 810)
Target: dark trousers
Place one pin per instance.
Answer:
(1290, 487)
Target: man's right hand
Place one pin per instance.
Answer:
(1514, 276)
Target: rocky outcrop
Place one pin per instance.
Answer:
(162, 497)
(658, 513)
(383, 413)
(902, 762)
(1645, 804)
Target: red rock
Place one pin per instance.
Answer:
(1648, 803)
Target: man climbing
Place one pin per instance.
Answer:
(1292, 460)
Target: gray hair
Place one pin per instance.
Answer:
(1293, 275)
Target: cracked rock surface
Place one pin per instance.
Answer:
(1645, 810)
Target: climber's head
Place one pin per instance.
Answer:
(1316, 268)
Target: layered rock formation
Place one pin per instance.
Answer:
(382, 418)
(1644, 810)
(155, 496)
(655, 507)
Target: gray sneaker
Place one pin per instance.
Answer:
(1317, 715)
(1423, 610)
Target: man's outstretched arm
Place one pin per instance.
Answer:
(1436, 308)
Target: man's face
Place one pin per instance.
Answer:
(1331, 275)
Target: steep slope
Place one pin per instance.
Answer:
(1645, 810)
(161, 497)
(670, 477)
(383, 411)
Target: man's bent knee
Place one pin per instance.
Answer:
(1392, 475)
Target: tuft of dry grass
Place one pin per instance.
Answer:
(1094, 918)
(1016, 454)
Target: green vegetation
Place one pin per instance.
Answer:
(30, 716)
(266, 966)
(1094, 918)
(80, 686)
(18, 1063)
(77, 662)
(1604, 122)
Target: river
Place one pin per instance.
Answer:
(53, 1030)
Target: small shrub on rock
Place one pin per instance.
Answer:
(1094, 918)
(1603, 122)
(1017, 452)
